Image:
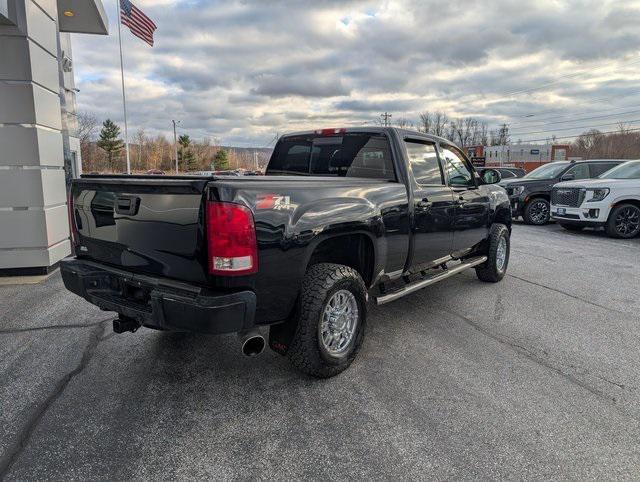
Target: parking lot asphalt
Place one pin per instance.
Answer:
(534, 377)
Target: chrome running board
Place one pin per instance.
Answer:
(422, 283)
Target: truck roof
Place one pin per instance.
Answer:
(369, 129)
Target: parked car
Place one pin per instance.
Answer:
(505, 172)
(342, 216)
(531, 195)
(612, 201)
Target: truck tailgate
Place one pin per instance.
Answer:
(147, 225)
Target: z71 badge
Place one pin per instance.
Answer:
(273, 201)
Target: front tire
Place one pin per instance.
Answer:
(536, 212)
(624, 221)
(331, 320)
(499, 249)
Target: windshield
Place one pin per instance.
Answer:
(628, 170)
(347, 155)
(548, 171)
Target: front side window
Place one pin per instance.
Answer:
(547, 171)
(506, 173)
(347, 155)
(424, 163)
(579, 171)
(457, 171)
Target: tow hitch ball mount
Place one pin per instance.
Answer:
(123, 324)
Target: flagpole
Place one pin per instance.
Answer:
(124, 98)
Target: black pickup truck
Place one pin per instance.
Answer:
(341, 217)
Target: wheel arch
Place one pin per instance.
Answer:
(503, 216)
(538, 195)
(618, 202)
(356, 250)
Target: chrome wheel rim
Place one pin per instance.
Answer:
(501, 253)
(628, 221)
(539, 212)
(339, 322)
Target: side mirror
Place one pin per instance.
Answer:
(568, 177)
(491, 176)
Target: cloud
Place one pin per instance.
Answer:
(243, 70)
(281, 86)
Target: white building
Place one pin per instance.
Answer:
(518, 152)
(39, 148)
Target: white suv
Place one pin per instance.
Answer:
(611, 201)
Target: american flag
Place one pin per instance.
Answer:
(140, 25)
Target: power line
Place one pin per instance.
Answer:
(274, 138)
(564, 77)
(572, 128)
(507, 95)
(603, 99)
(546, 139)
(604, 116)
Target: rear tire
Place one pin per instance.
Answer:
(624, 221)
(572, 227)
(536, 212)
(332, 299)
(499, 249)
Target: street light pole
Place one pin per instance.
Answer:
(175, 142)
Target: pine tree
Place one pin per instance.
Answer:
(185, 156)
(220, 161)
(109, 141)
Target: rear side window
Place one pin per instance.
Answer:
(424, 163)
(601, 167)
(348, 155)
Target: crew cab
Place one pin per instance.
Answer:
(342, 217)
(612, 202)
(531, 195)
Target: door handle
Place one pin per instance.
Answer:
(127, 205)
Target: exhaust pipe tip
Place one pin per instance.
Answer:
(253, 344)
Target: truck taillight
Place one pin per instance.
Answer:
(231, 237)
(72, 220)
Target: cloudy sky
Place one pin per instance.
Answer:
(244, 71)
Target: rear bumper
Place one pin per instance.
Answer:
(157, 302)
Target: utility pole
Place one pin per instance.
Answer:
(255, 159)
(175, 142)
(385, 117)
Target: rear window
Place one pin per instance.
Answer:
(348, 155)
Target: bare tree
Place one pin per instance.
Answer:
(483, 134)
(87, 127)
(404, 123)
(140, 140)
(440, 122)
(425, 123)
